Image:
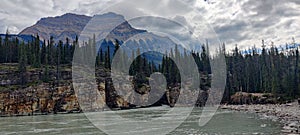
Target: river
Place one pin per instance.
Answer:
(223, 122)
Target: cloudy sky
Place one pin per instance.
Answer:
(242, 22)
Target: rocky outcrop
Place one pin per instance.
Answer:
(41, 99)
(241, 98)
(58, 96)
(60, 27)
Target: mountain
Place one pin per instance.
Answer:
(101, 24)
(69, 25)
(153, 43)
(60, 27)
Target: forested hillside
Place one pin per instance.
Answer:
(264, 70)
(261, 70)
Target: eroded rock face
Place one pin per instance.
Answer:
(188, 97)
(46, 98)
(60, 27)
(56, 96)
(41, 99)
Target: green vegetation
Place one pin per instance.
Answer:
(268, 71)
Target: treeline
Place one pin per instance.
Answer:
(261, 71)
(142, 65)
(37, 54)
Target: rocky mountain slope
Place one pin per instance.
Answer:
(71, 25)
(60, 27)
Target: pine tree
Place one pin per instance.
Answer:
(139, 61)
(7, 47)
(107, 59)
(117, 46)
(22, 64)
(36, 52)
(58, 61)
(45, 62)
(1, 51)
(101, 56)
(51, 53)
(296, 73)
(43, 52)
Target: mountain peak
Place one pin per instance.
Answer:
(70, 14)
(64, 16)
(110, 15)
(60, 27)
(70, 25)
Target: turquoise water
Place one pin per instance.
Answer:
(223, 122)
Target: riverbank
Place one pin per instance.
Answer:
(287, 114)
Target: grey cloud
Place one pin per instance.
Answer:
(232, 32)
(255, 20)
(243, 22)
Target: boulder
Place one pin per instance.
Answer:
(252, 98)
